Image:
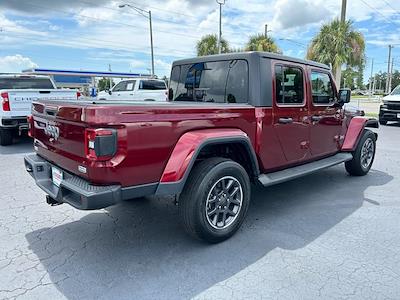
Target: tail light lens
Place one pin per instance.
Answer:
(30, 125)
(100, 144)
(78, 95)
(5, 102)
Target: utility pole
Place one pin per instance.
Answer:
(343, 13)
(220, 2)
(266, 30)
(388, 72)
(109, 70)
(151, 45)
(390, 77)
(372, 72)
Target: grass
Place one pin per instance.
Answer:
(371, 114)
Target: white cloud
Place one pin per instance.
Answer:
(15, 63)
(298, 13)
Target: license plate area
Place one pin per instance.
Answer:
(56, 176)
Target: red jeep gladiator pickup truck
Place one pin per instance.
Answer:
(232, 120)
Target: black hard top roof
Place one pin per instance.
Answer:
(248, 56)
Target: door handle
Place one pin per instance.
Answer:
(316, 118)
(285, 120)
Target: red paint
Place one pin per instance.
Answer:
(186, 148)
(147, 135)
(353, 134)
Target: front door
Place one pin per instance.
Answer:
(325, 116)
(290, 112)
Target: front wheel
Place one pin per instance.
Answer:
(363, 156)
(215, 199)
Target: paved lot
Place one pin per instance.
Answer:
(327, 235)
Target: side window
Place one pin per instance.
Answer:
(237, 85)
(152, 85)
(130, 85)
(121, 86)
(218, 82)
(289, 85)
(322, 91)
(174, 81)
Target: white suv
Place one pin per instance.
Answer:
(137, 89)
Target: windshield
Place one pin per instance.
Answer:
(25, 83)
(396, 91)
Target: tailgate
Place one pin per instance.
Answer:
(21, 100)
(58, 132)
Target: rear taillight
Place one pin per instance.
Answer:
(100, 144)
(78, 95)
(30, 125)
(5, 102)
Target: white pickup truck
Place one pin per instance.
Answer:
(137, 89)
(390, 107)
(16, 95)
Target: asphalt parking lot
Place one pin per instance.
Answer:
(327, 235)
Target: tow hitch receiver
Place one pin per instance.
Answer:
(51, 201)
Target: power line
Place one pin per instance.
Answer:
(388, 4)
(377, 11)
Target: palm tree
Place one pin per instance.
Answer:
(337, 43)
(208, 45)
(260, 42)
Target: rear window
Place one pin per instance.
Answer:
(219, 82)
(152, 85)
(25, 83)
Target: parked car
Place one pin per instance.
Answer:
(233, 120)
(17, 93)
(138, 89)
(390, 108)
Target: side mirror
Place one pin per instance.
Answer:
(344, 96)
(109, 92)
(170, 94)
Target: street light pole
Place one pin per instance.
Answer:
(143, 13)
(220, 2)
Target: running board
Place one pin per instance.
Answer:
(299, 171)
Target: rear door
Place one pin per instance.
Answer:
(325, 117)
(290, 111)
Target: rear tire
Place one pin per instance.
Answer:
(215, 199)
(6, 137)
(363, 156)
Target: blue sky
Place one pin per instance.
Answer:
(90, 35)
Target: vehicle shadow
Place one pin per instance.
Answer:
(138, 250)
(22, 144)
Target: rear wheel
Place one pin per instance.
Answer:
(6, 137)
(363, 156)
(215, 199)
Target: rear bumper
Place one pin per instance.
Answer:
(20, 123)
(78, 192)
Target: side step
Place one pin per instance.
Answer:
(295, 172)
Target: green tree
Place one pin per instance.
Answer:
(208, 45)
(104, 84)
(260, 42)
(353, 77)
(338, 43)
